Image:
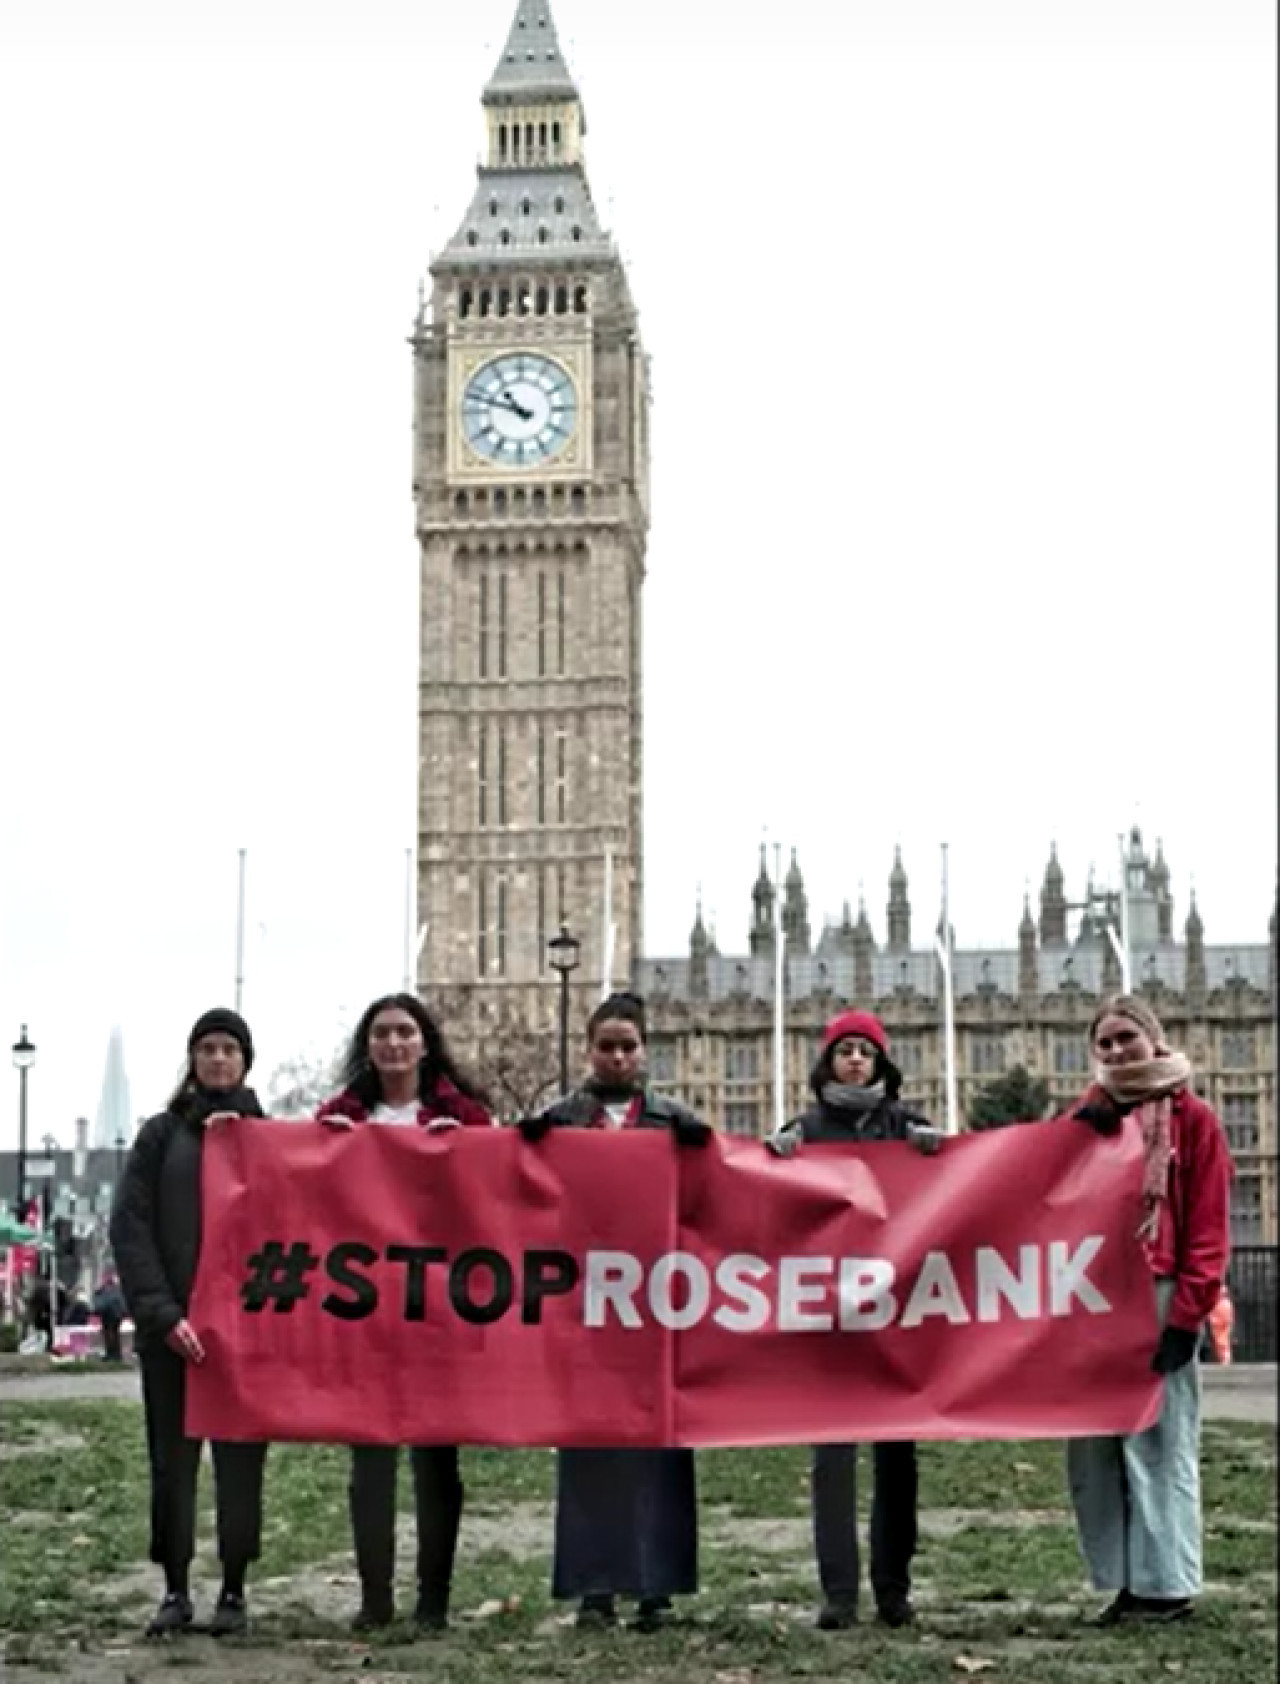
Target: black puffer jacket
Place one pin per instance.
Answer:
(155, 1219)
(890, 1120)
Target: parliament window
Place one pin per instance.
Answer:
(740, 1119)
(1240, 1121)
(1070, 1056)
(662, 1061)
(986, 1055)
(741, 1061)
(1238, 1049)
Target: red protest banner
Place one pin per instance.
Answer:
(391, 1286)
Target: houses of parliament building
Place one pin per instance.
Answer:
(531, 496)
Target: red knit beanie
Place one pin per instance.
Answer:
(856, 1023)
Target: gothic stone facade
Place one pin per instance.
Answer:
(531, 471)
(711, 1015)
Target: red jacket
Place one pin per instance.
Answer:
(445, 1101)
(1193, 1243)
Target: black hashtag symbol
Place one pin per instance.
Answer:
(278, 1276)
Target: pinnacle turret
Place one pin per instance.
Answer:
(532, 67)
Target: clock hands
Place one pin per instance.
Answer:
(505, 400)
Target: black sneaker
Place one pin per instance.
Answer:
(894, 1609)
(596, 1612)
(230, 1617)
(652, 1612)
(1119, 1609)
(375, 1612)
(1159, 1610)
(837, 1616)
(174, 1614)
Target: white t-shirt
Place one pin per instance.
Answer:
(617, 1112)
(397, 1113)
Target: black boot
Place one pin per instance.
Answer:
(174, 1614)
(231, 1616)
(377, 1608)
(595, 1612)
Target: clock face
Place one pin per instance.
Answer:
(520, 409)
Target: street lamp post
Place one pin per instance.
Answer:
(24, 1056)
(563, 951)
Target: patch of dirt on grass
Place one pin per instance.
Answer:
(42, 1440)
(945, 1523)
(774, 1537)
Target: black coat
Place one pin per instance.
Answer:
(155, 1218)
(584, 1109)
(889, 1121)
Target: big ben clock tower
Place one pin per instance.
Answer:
(531, 492)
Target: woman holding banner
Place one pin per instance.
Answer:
(1137, 1497)
(398, 1070)
(155, 1238)
(855, 1089)
(626, 1520)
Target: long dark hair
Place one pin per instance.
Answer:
(359, 1077)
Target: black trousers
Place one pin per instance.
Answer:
(111, 1348)
(437, 1495)
(175, 1467)
(834, 1492)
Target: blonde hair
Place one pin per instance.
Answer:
(1137, 1011)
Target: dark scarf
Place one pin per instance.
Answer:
(840, 1096)
(195, 1103)
(612, 1093)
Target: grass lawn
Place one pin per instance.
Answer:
(1000, 1588)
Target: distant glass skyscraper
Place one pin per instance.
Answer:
(115, 1108)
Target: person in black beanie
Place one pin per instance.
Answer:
(155, 1237)
(626, 1519)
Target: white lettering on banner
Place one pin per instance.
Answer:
(866, 1294)
(795, 1292)
(936, 1293)
(1067, 1277)
(611, 1281)
(997, 1281)
(735, 1277)
(746, 1294)
(662, 1299)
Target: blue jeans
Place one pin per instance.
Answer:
(1137, 1497)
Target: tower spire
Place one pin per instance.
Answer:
(532, 67)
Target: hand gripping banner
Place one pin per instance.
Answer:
(389, 1286)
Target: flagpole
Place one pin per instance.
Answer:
(946, 954)
(779, 998)
(1122, 947)
(240, 934)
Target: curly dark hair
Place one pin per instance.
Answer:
(359, 1077)
(618, 1008)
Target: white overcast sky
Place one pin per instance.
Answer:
(962, 315)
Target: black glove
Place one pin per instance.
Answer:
(1102, 1118)
(1176, 1349)
(534, 1129)
(690, 1132)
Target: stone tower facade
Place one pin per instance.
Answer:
(531, 489)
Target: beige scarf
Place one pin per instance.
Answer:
(1150, 1086)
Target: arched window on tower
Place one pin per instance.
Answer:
(555, 137)
(504, 238)
(486, 302)
(543, 297)
(524, 298)
(528, 137)
(473, 239)
(502, 143)
(526, 207)
(542, 236)
(493, 207)
(580, 301)
(542, 137)
(577, 235)
(562, 301)
(504, 301)
(465, 300)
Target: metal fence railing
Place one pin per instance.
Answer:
(1251, 1281)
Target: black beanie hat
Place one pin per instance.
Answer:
(223, 1021)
